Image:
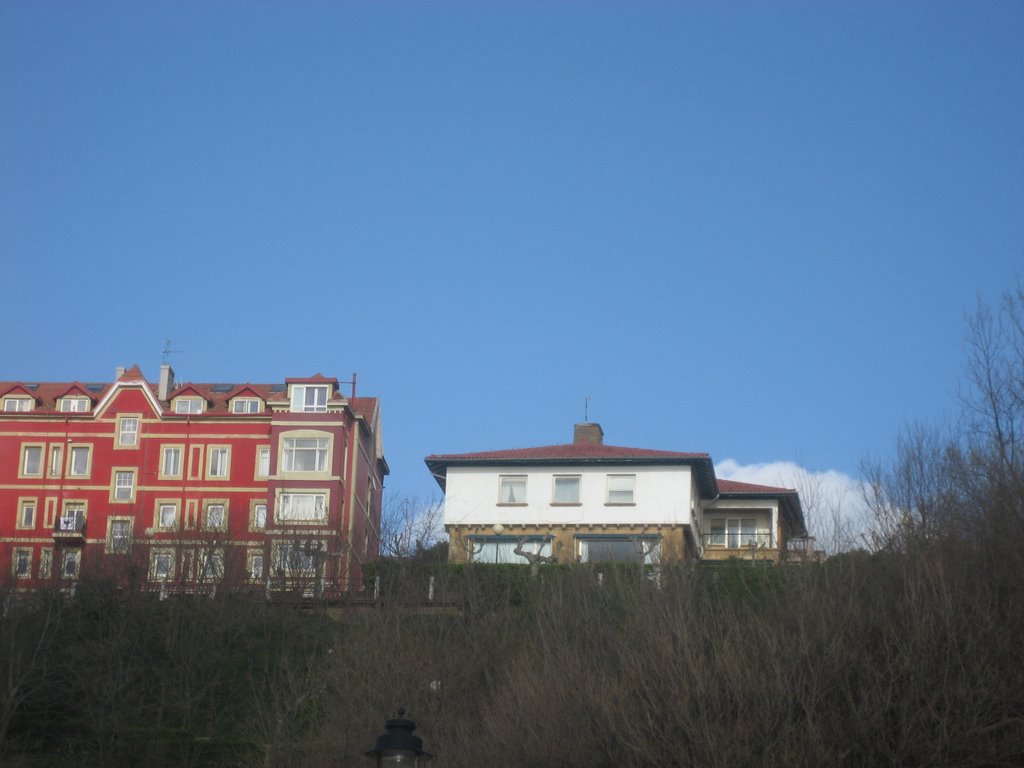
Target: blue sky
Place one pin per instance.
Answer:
(750, 229)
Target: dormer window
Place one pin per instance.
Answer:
(246, 405)
(309, 398)
(74, 404)
(188, 405)
(17, 404)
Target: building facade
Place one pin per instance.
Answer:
(187, 487)
(590, 502)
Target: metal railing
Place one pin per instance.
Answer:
(70, 522)
(738, 540)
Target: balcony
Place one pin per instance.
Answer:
(743, 545)
(804, 549)
(70, 527)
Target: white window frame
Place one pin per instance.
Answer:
(735, 532)
(220, 508)
(25, 505)
(246, 405)
(128, 429)
(74, 450)
(122, 492)
(288, 503)
(300, 394)
(72, 558)
(566, 481)
(161, 556)
(507, 494)
(74, 405)
(253, 557)
(119, 542)
(166, 518)
(218, 462)
(298, 450)
(177, 462)
(38, 453)
(298, 558)
(15, 404)
(21, 562)
(615, 495)
(56, 465)
(189, 405)
(45, 563)
(211, 565)
(258, 516)
(262, 461)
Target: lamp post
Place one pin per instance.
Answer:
(398, 747)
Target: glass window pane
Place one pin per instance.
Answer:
(79, 461)
(172, 462)
(302, 506)
(512, 490)
(168, 515)
(567, 490)
(33, 460)
(124, 483)
(620, 550)
(56, 456)
(620, 489)
(215, 516)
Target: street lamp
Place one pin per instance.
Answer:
(398, 747)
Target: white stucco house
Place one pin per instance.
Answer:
(585, 501)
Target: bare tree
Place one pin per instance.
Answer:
(915, 496)
(832, 515)
(535, 559)
(410, 525)
(992, 426)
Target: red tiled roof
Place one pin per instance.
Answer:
(76, 388)
(218, 396)
(47, 393)
(132, 374)
(316, 378)
(569, 451)
(365, 407)
(735, 486)
(189, 390)
(15, 387)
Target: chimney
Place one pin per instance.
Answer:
(118, 372)
(587, 434)
(166, 381)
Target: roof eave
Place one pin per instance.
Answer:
(703, 467)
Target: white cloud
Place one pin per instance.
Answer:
(833, 501)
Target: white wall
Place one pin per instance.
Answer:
(662, 496)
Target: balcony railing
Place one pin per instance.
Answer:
(737, 540)
(804, 548)
(70, 525)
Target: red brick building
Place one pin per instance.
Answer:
(183, 487)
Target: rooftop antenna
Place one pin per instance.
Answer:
(586, 408)
(353, 383)
(169, 350)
